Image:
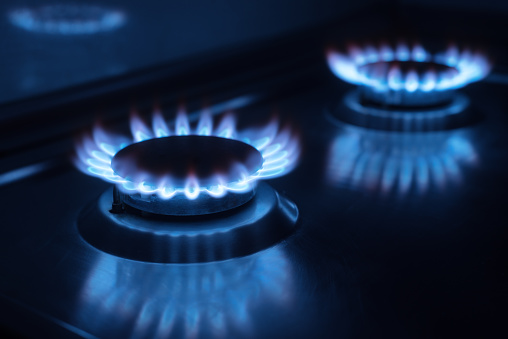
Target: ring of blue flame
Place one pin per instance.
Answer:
(70, 19)
(278, 147)
(470, 67)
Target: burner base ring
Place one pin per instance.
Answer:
(262, 222)
(182, 206)
(455, 114)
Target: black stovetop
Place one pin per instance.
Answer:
(363, 262)
(376, 252)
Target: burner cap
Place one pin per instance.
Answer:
(191, 163)
(176, 158)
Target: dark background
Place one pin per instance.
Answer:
(155, 32)
(158, 32)
(362, 265)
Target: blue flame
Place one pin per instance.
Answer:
(465, 67)
(67, 19)
(278, 147)
(193, 300)
(398, 162)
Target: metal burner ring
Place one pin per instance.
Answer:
(262, 222)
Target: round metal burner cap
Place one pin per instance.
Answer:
(173, 159)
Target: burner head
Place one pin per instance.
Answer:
(406, 83)
(188, 162)
(406, 87)
(181, 169)
(177, 158)
(408, 75)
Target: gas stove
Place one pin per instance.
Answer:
(353, 189)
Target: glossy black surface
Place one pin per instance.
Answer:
(150, 33)
(381, 251)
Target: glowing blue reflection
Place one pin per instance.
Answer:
(377, 68)
(396, 162)
(23, 172)
(67, 19)
(197, 300)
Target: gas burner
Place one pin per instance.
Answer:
(408, 76)
(407, 88)
(67, 19)
(209, 161)
(190, 195)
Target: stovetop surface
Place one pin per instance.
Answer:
(362, 263)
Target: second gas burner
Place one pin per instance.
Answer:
(406, 87)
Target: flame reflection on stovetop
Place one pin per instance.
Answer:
(399, 163)
(201, 300)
